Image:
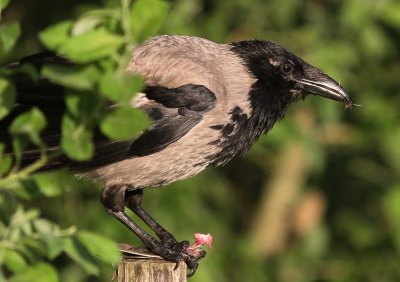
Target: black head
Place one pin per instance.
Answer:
(284, 75)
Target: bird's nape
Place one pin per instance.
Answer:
(209, 102)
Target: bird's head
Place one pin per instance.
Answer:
(284, 74)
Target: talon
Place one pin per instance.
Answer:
(177, 252)
(176, 264)
(190, 274)
(192, 271)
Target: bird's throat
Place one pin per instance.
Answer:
(243, 130)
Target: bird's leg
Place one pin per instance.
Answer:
(113, 199)
(133, 201)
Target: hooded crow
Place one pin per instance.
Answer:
(210, 103)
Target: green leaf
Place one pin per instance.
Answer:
(56, 35)
(75, 103)
(29, 123)
(91, 46)
(391, 14)
(7, 97)
(93, 19)
(147, 22)
(85, 24)
(26, 127)
(84, 111)
(80, 254)
(52, 183)
(40, 272)
(24, 189)
(4, 4)
(5, 164)
(19, 143)
(124, 123)
(9, 34)
(54, 245)
(100, 247)
(5, 161)
(120, 89)
(44, 226)
(49, 234)
(14, 261)
(48, 184)
(76, 139)
(73, 77)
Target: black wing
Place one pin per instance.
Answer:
(189, 102)
(175, 112)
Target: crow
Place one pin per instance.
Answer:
(209, 103)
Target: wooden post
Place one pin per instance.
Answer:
(138, 265)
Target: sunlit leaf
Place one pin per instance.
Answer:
(76, 140)
(391, 14)
(85, 24)
(4, 4)
(124, 123)
(91, 45)
(48, 184)
(120, 89)
(26, 127)
(54, 245)
(56, 35)
(76, 250)
(52, 183)
(30, 123)
(85, 106)
(49, 235)
(9, 34)
(5, 160)
(92, 19)
(147, 22)
(100, 247)
(7, 97)
(40, 272)
(14, 261)
(72, 77)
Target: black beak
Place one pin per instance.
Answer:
(321, 84)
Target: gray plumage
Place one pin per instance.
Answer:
(172, 61)
(210, 102)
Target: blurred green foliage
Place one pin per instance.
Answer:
(350, 231)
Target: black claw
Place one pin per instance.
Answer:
(176, 252)
(191, 273)
(176, 264)
(192, 268)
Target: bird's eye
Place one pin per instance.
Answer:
(287, 68)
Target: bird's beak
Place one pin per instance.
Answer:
(321, 84)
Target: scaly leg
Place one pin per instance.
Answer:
(133, 201)
(114, 200)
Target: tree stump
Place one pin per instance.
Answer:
(139, 265)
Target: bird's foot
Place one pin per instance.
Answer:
(177, 251)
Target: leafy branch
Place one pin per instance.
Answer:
(99, 44)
